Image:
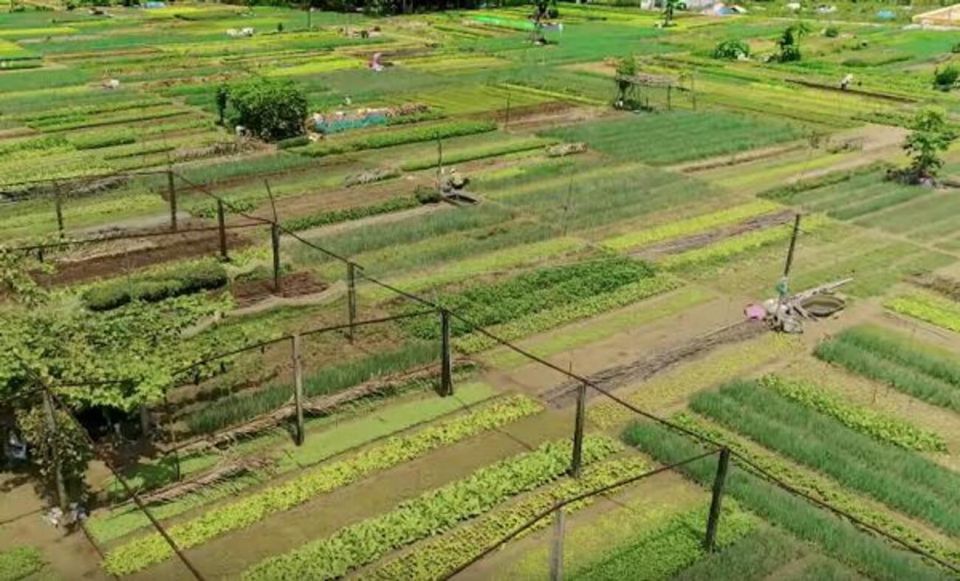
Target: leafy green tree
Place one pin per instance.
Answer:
(270, 109)
(930, 136)
(789, 42)
(626, 68)
(669, 7)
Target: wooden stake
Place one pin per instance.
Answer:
(351, 299)
(172, 194)
(709, 543)
(577, 461)
(446, 358)
(275, 243)
(58, 209)
(222, 226)
(298, 388)
(556, 552)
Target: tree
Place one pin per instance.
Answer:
(626, 69)
(270, 109)
(929, 137)
(223, 95)
(789, 43)
(669, 7)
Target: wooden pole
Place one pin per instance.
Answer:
(556, 552)
(446, 359)
(222, 225)
(171, 431)
(58, 209)
(506, 121)
(298, 388)
(709, 542)
(793, 246)
(669, 88)
(172, 194)
(693, 91)
(275, 243)
(577, 461)
(439, 165)
(351, 298)
(57, 468)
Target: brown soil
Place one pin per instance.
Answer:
(291, 285)
(646, 367)
(706, 238)
(126, 256)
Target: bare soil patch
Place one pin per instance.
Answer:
(291, 285)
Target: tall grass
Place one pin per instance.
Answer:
(896, 477)
(892, 359)
(754, 556)
(329, 380)
(838, 538)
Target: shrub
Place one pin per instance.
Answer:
(19, 562)
(946, 78)
(731, 50)
(831, 32)
(270, 109)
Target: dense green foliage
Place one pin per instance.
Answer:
(429, 514)
(754, 556)
(898, 478)
(731, 50)
(899, 362)
(837, 538)
(268, 108)
(19, 562)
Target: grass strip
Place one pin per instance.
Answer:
(436, 558)
(690, 226)
(752, 557)
(896, 477)
(817, 486)
(907, 376)
(19, 562)
(662, 552)
(864, 553)
(938, 311)
(318, 446)
(428, 515)
(145, 551)
(476, 153)
(876, 425)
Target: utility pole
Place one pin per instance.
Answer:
(713, 520)
(53, 430)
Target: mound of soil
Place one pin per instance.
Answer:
(295, 284)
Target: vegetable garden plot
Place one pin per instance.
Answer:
(928, 307)
(898, 478)
(663, 138)
(891, 358)
(248, 510)
(836, 538)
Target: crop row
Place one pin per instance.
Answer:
(347, 214)
(754, 556)
(938, 311)
(19, 563)
(838, 538)
(475, 153)
(153, 288)
(718, 367)
(401, 136)
(668, 548)
(533, 292)
(879, 426)
(896, 361)
(896, 477)
(435, 559)
(429, 514)
(723, 251)
(143, 552)
(326, 381)
(583, 308)
(690, 226)
(816, 485)
(499, 260)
